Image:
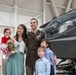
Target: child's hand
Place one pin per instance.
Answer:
(55, 59)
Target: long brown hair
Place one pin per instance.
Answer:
(24, 35)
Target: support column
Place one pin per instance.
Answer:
(44, 11)
(68, 6)
(15, 15)
(54, 8)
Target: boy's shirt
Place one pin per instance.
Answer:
(50, 56)
(42, 67)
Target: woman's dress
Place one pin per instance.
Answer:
(14, 65)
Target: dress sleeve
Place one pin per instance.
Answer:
(2, 40)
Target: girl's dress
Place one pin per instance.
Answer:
(14, 65)
(4, 40)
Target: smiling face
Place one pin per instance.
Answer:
(33, 24)
(44, 44)
(7, 33)
(20, 30)
(41, 52)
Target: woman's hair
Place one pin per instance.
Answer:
(24, 35)
(47, 42)
(6, 30)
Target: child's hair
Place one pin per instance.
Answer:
(41, 49)
(6, 30)
(47, 42)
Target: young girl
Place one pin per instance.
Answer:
(49, 55)
(4, 39)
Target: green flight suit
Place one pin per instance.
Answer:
(34, 40)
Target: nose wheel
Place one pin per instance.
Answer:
(67, 68)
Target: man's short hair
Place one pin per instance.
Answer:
(34, 19)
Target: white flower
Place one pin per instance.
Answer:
(3, 46)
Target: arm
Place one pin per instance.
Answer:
(2, 40)
(51, 55)
(55, 59)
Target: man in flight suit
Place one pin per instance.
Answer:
(34, 40)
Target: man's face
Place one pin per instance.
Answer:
(33, 24)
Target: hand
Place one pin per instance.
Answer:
(9, 54)
(12, 52)
(55, 59)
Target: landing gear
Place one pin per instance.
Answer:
(66, 68)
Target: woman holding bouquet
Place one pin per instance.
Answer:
(15, 63)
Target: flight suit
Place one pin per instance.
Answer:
(34, 40)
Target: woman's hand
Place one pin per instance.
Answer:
(13, 52)
(9, 54)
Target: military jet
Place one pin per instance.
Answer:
(61, 31)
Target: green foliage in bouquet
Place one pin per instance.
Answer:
(10, 45)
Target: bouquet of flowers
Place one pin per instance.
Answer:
(7, 48)
(4, 48)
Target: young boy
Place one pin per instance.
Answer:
(49, 55)
(42, 65)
